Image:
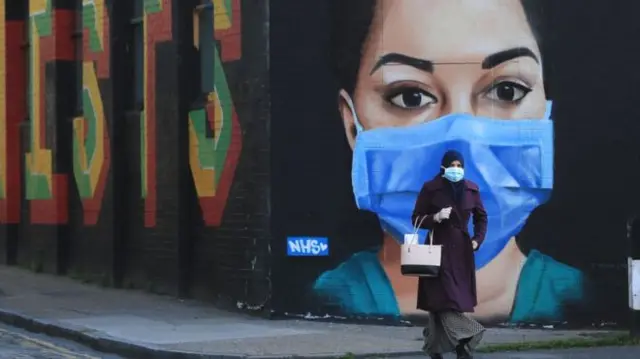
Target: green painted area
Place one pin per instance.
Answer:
(83, 178)
(44, 20)
(89, 22)
(206, 146)
(228, 5)
(152, 6)
(37, 185)
(210, 153)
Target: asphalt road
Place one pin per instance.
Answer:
(19, 344)
(590, 353)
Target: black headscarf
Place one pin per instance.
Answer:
(456, 188)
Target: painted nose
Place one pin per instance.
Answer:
(460, 102)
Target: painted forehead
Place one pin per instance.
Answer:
(444, 31)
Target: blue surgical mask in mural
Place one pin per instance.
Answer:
(510, 160)
(454, 174)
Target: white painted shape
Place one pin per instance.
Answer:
(142, 330)
(633, 266)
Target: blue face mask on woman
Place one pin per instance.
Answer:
(510, 160)
(454, 174)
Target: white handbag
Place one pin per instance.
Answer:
(420, 260)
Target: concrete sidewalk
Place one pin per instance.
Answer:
(140, 325)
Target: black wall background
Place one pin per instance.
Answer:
(230, 264)
(592, 57)
(311, 161)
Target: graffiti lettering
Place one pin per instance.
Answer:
(13, 92)
(3, 108)
(157, 15)
(213, 158)
(308, 246)
(46, 191)
(91, 157)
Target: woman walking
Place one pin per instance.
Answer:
(444, 205)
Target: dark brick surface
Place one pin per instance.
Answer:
(230, 263)
(179, 255)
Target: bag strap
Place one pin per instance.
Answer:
(416, 225)
(416, 228)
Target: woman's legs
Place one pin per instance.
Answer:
(433, 334)
(461, 349)
(462, 333)
(451, 331)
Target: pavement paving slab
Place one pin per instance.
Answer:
(137, 324)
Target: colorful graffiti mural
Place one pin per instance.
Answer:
(156, 28)
(12, 91)
(46, 190)
(215, 140)
(413, 93)
(91, 153)
(270, 149)
(84, 87)
(3, 104)
(3, 119)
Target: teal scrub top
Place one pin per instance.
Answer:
(361, 287)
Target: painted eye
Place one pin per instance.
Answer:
(411, 99)
(508, 91)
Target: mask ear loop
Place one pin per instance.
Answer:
(356, 122)
(547, 111)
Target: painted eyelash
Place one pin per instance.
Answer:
(399, 90)
(519, 86)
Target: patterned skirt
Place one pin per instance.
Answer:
(448, 329)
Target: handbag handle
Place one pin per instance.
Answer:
(416, 228)
(416, 225)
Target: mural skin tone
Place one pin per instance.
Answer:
(512, 286)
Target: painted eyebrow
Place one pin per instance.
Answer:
(395, 58)
(500, 57)
(489, 62)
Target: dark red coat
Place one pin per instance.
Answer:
(455, 287)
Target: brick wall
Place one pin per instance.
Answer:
(143, 143)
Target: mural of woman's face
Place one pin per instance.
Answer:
(427, 59)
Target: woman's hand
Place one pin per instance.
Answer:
(444, 213)
(474, 244)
